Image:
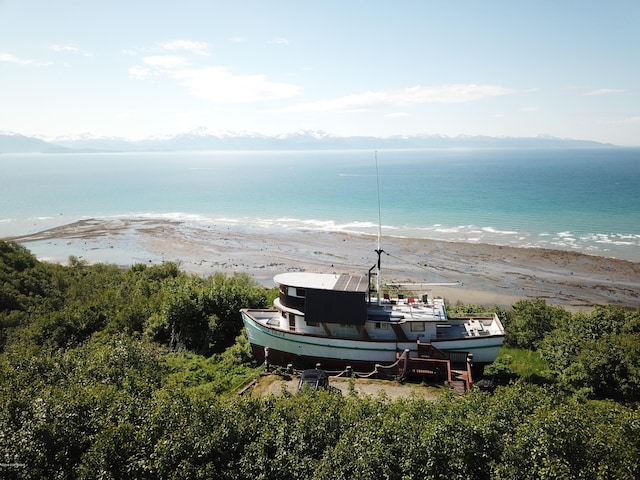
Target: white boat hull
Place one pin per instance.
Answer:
(342, 352)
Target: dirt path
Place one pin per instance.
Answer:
(277, 385)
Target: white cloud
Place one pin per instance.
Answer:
(164, 61)
(602, 91)
(69, 49)
(397, 115)
(626, 121)
(213, 83)
(139, 72)
(217, 84)
(237, 39)
(403, 98)
(9, 58)
(280, 41)
(196, 48)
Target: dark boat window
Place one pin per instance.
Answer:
(417, 326)
(295, 292)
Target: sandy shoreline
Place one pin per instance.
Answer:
(489, 274)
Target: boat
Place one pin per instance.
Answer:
(331, 320)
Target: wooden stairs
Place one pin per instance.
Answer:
(452, 367)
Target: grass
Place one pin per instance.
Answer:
(513, 363)
(222, 373)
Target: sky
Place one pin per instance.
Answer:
(136, 69)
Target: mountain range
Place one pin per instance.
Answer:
(204, 139)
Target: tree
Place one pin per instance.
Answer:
(530, 321)
(597, 353)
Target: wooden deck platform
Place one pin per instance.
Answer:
(452, 367)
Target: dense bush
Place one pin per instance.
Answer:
(529, 321)
(594, 353)
(132, 374)
(61, 307)
(597, 353)
(94, 430)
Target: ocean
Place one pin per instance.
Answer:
(587, 200)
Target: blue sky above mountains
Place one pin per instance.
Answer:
(498, 68)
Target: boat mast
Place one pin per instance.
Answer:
(378, 250)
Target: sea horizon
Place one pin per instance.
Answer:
(584, 200)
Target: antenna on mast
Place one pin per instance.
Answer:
(378, 250)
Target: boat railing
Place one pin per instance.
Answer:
(261, 313)
(480, 316)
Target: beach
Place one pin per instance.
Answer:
(486, 274)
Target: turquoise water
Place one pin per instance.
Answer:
(580, 199)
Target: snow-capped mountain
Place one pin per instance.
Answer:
(204, 138)
(12, 142)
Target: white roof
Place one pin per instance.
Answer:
(323, 281)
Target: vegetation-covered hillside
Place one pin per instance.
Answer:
(134, 374)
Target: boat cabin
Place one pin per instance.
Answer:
(324, 298)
